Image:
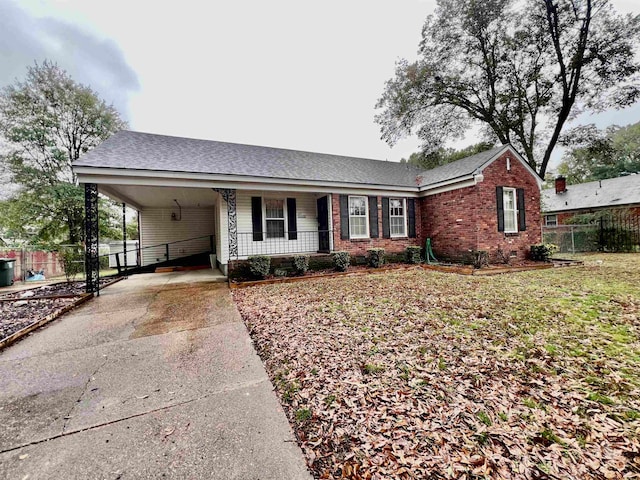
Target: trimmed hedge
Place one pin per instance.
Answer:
(412, 254)
(260, 265)
(341, 260)
(542, 252)
(301, 264)
(375, 257)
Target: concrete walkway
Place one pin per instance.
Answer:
(156, 378)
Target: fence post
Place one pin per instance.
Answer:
(573, 242)
(167, 251)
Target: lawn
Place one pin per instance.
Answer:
(421, 374)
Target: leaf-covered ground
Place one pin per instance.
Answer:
(420, 374)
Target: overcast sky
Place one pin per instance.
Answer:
(285, 73)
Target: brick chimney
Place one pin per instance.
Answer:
(561, 184)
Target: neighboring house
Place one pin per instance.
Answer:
(242, 200)
(563, 202)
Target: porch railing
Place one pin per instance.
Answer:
(164, 252)
(290, 243)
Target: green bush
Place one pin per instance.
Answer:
(375, 257)
(412, 254)
(260, 265)
(71, 259)
(301, 264)
(341, 260)
(542, 252)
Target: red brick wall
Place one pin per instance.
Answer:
(360, 246)
(463, 220)
(565, 218)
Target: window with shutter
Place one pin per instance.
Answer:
(274, 216)
(358, 217)
(397, 217)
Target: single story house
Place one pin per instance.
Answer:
(241, 200)
(563, 202)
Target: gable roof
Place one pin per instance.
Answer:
(612, 192)
(144, 151)
(461, 168)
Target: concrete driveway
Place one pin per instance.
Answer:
(156, 378)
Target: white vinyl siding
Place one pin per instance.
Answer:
(306, 218)
(158, 228)
(510, 210)
(358, 217)
(397, 217)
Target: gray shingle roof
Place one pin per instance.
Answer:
(600, 194)
(461, 168)
(144, 151)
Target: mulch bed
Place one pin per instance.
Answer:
(362, 269)
(25, 310)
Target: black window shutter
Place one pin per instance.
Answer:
(411, 220)
(386, 232)
(500, 205)
(256, 218)
(292, 222)
(344, 217)
(522, 220)
(373, 217)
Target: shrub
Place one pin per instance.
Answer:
(412, 254)
(259, 265)
(375, 257)
(71, 259)
(341, 260)
(480, 258)
(542, 252)
(301, 264)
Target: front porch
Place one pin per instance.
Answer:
(185, 222)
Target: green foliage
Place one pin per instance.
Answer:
(71, 259)
(375, 257)
(259, 265)
(301, 264)
(599, 154)
(303, 414)
(516, 68)
(46, 122)
(341, 261)
(543, 252)
(443, 155)
(412, 254)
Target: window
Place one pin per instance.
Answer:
(358, 219)
(274, 216)
(397, 217)
(510, 210)
(551, 220)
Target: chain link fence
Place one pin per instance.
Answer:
(604, 233)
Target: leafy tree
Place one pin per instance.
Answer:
(443, 155)
(520, 68)
(46, 122)
(598, 154)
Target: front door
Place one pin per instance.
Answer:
(323, 224)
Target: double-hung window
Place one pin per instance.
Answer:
(397, 217)
(358, 220)
(274, 217)
(510, 210)
(551, 220)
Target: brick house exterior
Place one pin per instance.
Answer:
(465, 220)
(359, 247)
(200, 196)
